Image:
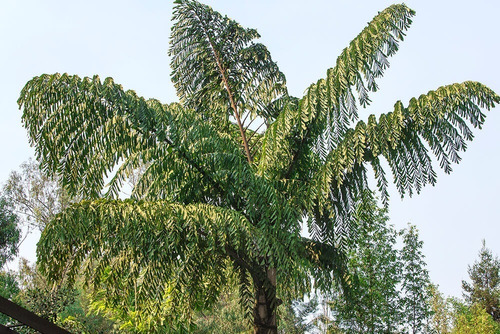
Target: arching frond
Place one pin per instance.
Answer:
(176, 258)
(219, 71)
(329, 106)
(81, 128)
(438, 118)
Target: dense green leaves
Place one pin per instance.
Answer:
(10, 231)
(218, 192)
(174, 247)
(484, 288)
(475, 320)
(220, 72)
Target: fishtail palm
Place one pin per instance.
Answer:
(233, 169)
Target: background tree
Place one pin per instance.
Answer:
(484, 288)
(297, 317)
(234, 168)
(9, 288)
(473, 319)
(226, 316)
(31, 198)
(41, 297)
(68, 307)
(373, 258)
(35, 197)
(10, 232)
(441, 314)
(414, 281)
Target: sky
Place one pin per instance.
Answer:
(449, 41)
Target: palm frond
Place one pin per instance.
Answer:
(329, 106)
(82, 128)
(177, 255)
(439, 118)
(218, 70)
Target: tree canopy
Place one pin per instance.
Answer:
(10, 231)
(484, 288)
(234, 169)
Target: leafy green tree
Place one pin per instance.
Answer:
(415, 282)
(234, 168)
(374, 303)
(36, 198)
(474, 319)
(441, 314)
(45, 299)
(392, 293)
(10, 232)
(9, 288)
(485, 286)
(67, 306)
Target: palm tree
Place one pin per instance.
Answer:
(233, 170)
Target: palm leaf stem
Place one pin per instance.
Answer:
(229, 92)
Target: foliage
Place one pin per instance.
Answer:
(10, 233)
(217, 196)
(415, 282)
(485, 286)
(35, 197)
(78, 317)
(392, 290)
(474, 320)
(441, 314)
(374, 306)
(41, 297)
(68, 307)
(226, 316)
(9, 288)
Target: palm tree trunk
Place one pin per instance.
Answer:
(265, 305)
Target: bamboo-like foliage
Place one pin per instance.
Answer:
(217, 196)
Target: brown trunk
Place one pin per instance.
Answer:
(264, 313)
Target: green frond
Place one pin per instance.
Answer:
(280, 140)
(177, 255)
(206, 48)
(82, 128)
(329, 105)
(438, 118)
(363, 61)
(219, 72)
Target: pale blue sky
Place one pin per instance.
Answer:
(450, 41)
